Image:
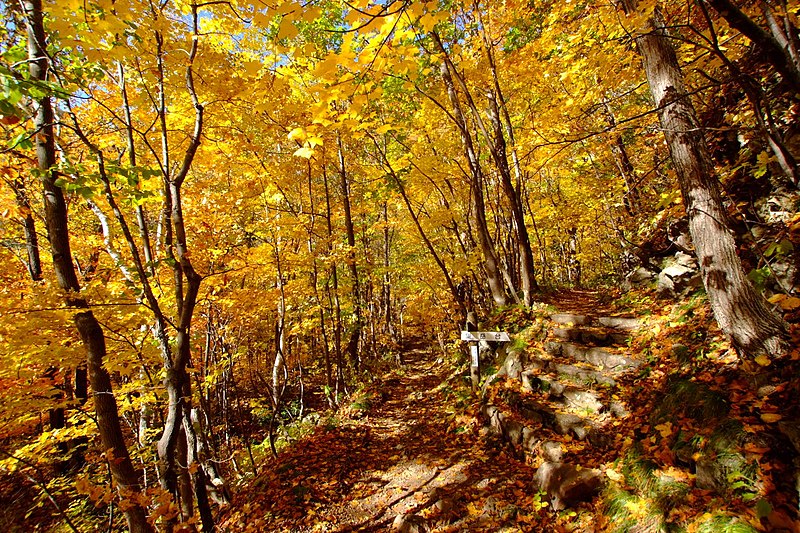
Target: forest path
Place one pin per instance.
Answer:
(404, 460)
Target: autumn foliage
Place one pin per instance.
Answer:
(267, 202)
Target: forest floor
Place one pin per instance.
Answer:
(416, 451)
(402, 456)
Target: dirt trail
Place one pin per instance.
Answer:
(403, 457)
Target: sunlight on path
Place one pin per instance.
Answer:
(401, 459)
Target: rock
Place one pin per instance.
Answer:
(513, 364)
(678, 275)
(554, 348)
(618, 409)
(605, 359)
(582, 400)
(494, 416)
(534, 362)
(443, 505)
(512, 430)
(529, 440)
(408, 523)
(676, 271)
(665, 286)
(686, 260)
(564, 423)
(640, 275)
(587, 376)
(617, 322)
(529, 381)
(553, 387)
(567, 318)
(546, 384)
(552, 451)
(566, 484)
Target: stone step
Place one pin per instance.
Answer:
(618, 322)
(569, 318)
(584, 375)
(592, 337)
(520, 434)
(599, 357)
(570, 396)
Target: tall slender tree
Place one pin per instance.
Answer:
(56, 219)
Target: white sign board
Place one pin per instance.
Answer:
(475, 336)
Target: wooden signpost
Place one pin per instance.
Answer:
(474, 337)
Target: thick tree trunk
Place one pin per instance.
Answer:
(742, 313)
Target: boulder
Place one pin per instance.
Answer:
(566, 484)
(513, 364)
(564, 423)
(552, 451)
(679, 274)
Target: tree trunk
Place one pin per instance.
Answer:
(493, 274)
(107, 415)
(741, 312)
(33, 263)
(355, 335)
(771, 50)
(500, 156)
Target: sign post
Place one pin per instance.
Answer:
(474, 337)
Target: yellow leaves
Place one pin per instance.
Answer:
(252, 68)
(665, 429)
(786, 302)
(326, 66)
(305, 152)
(287, 29)
(762, 360)
(309, 141)
(771, 417)
(297, 134)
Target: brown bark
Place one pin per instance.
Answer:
(355, 335)
(771, 50)
(108, 423)
(33, 263)
(500, 156)
(498, 115)
(741, 312)
(493, 274)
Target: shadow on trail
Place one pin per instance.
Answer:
(401, 457)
